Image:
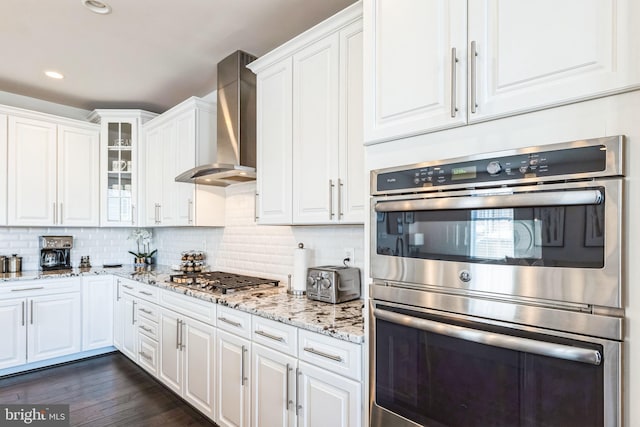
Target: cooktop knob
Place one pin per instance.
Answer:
(311, 281)
(494, 168)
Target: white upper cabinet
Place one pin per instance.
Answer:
(413, 82)
(3, 169)
(52, 174)
(274, 143)
(310, 126)
(176, 141)
(436, 64)
(315, 130)
(535, 55)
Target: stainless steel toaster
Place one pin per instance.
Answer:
(333, 284)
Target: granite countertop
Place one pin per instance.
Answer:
(343, 321)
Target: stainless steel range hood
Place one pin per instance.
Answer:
(236, 127)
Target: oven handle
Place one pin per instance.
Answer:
(550, 198)
(558, 351)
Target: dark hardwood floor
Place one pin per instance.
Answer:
(109, 390)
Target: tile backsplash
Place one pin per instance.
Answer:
(239, 247)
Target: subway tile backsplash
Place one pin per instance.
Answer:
(240, 247)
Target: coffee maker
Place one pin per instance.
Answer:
(55, 252)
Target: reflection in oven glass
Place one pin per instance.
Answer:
(540, 237)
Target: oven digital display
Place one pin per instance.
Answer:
(468, 172)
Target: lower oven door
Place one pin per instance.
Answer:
(431, 368)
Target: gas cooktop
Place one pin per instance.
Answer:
(213, 281)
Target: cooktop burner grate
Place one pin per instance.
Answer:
(218, 280)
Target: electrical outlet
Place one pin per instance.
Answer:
(351, 254)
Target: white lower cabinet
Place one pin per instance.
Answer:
(97, 312)
(327, 399)
(233, 371)
(273, 388)
(128, 325)
(186, 363)
(44, 323)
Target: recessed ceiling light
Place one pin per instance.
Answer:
(96, 6)
(54, 74)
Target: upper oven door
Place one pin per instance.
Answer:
(555, 241)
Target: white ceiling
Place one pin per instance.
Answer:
(148, 54)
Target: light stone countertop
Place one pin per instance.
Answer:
(343, 321)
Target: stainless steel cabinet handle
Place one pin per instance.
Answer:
(27, 289)
(128, 287)
(558, 351)
(323, 354)
(183, 324)
(289, 402)
(298, 405)
(133, 313)
(549, 198)
(55, 213)
(340, 190)
(61, 213)
(118, 290)
(155, 213)
(331, 185)
(268, 335)
(146, 293)
(159, 213)
(23, 311)
(230, 322)
(255, 207)
(178, 321)
(145, 355)
(32, 312)
(474, 57)
(454, 63)
(144, 328)
(133, 214)
(242, 377)
(190, 212)
(145, 311)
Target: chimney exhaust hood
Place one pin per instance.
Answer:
(235, 160)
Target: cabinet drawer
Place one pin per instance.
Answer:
(19, 289)
(197, 309)
(275, 335)
(234, 321)
(148, 311)
(335, 355)
(148, 354)
(147, 292)
(126, 286)
(148, 328)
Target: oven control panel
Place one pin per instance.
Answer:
(533, 164)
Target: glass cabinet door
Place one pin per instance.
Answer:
(120, 169)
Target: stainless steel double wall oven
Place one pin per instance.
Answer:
(497, 289)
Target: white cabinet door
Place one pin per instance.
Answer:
(185, 159)
(78, 177)
(315, 130)
(97, 312)
(170, 367)
(534, 55)
(274, 145)
(54, 326)
(129, 328)
(351, 188)
(411, 75)
(273, 375)
(168, 150)
(31, 172)
(118, 316)
(153, 175)
(3, 169)
(328, 399)
(13, 334)
(199, 368)
(233, 391)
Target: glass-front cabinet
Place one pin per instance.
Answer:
(119, 169)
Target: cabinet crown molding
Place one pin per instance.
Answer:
(51, 118)
(319, 31)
